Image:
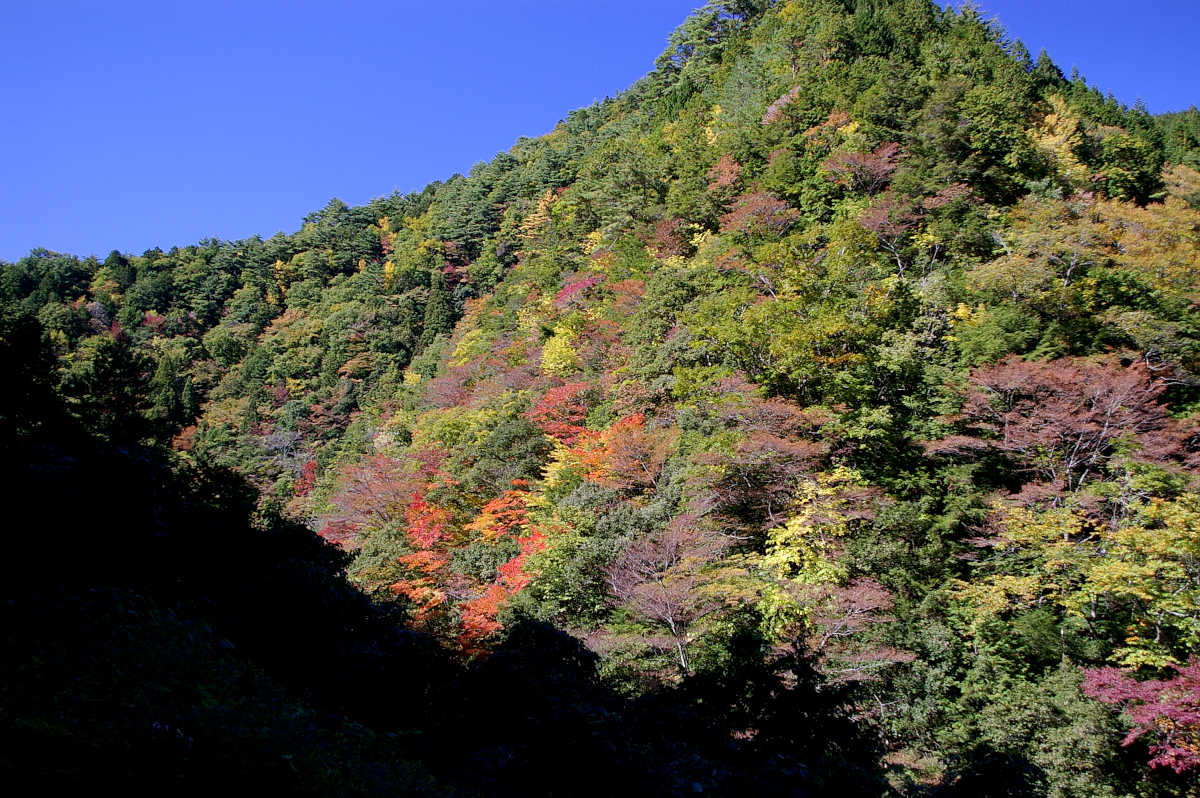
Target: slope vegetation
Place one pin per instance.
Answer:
(821, 412)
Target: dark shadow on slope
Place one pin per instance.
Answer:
(162, 635)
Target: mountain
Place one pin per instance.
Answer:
(818, 415)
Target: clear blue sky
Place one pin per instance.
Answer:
(1133, 48)
(139, 124)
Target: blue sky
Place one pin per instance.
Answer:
(1135, 50)
(139, 124)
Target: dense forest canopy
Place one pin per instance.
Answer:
(818, 415)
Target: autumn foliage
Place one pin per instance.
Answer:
(441, 595)
(1164, 712)
(629, 454)
(561, 411)
(1064, 420)
(663, 578)
(374, 492)
(864, 171)
(759, 214)
(845, 372)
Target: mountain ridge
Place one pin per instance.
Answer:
(847, 358)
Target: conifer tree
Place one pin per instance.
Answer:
(439, 318)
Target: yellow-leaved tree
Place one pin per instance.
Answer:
(1142, 577)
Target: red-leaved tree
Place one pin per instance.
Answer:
(504, 518)
(841, 613)
(777, 108)
(757, 480)
(759, 214)
(574, 293)
(1063, 420)
(1164, 711)
(725, 176)
(892, 220)
(662, 578)
(373, 492)
(864, 171)
(629, 455)
(428, 529)
(561, 411)
(671, 238)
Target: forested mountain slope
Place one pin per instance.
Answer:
(820, 414)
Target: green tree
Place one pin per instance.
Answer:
(439, 316)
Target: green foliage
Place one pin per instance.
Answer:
(438, 316)
(106, 387)
(571, 588)
(1039, 737)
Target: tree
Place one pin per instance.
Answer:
(439, 316)
(107, 387)
(427, 529)
(504, 516)
(757, 480)
(802, 568)
(759, 215)
(574, 293)
(478, 616)
(1132, 586)
(840, 616)
(665, 579)
(628, 455)
(30, 405)
(166, 390)
(671, 239)
(891, 219)
(864, 171)
(724, 177)
(1166, 711)
(1131, 167)
(1063, 419)
(373, 493)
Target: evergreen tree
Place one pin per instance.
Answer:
(439, 317)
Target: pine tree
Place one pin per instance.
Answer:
(439, 318)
